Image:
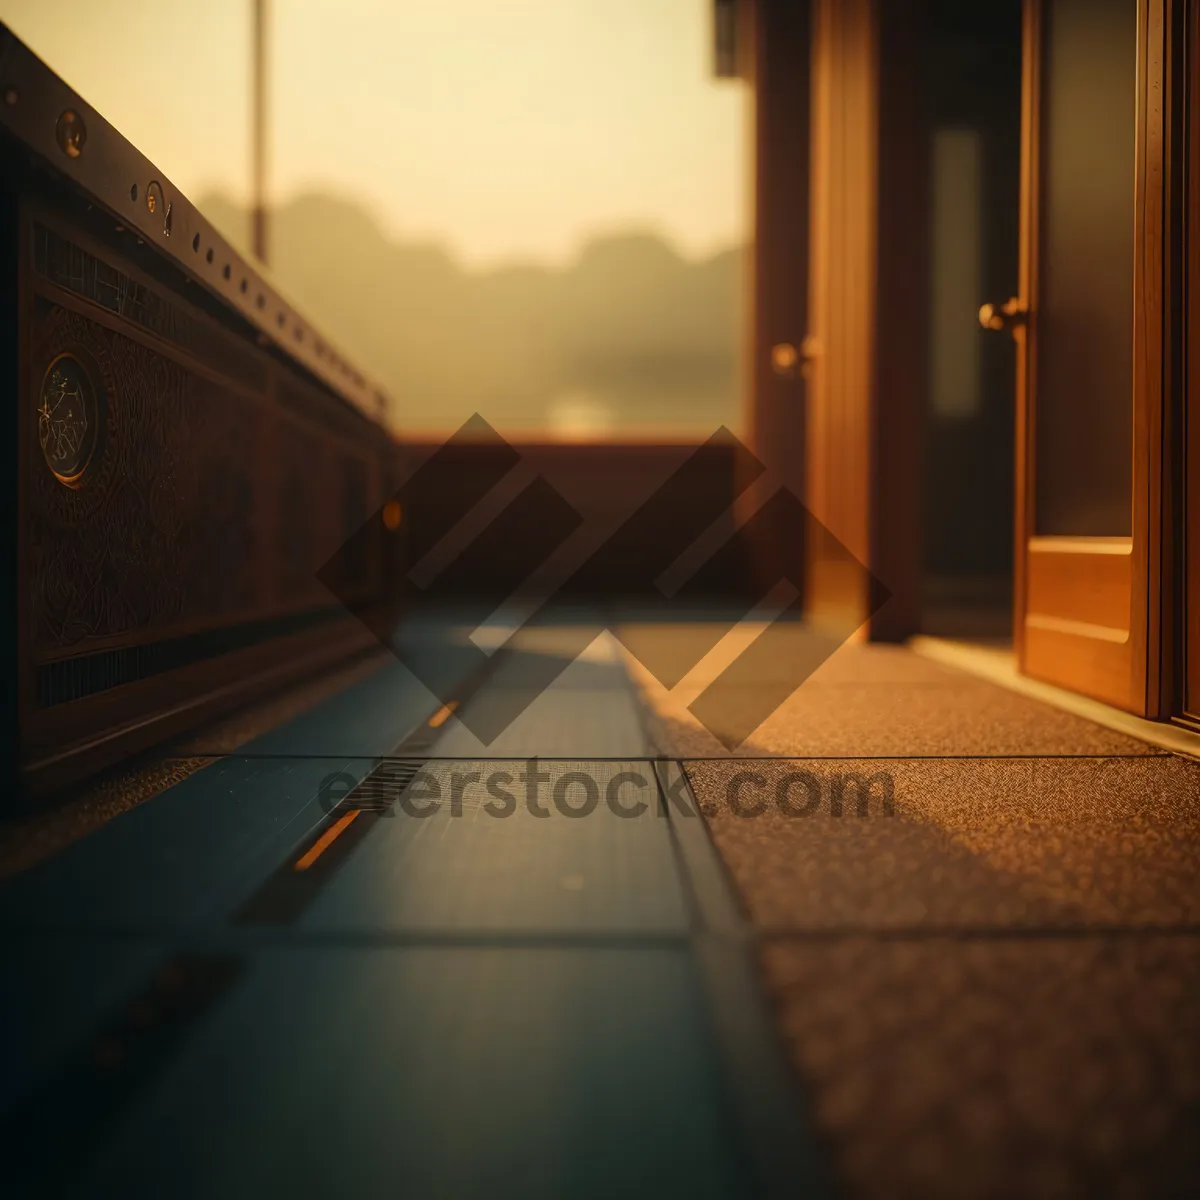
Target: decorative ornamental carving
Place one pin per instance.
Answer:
(71, 410)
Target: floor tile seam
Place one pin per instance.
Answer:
(1084, 931)
(250, 938)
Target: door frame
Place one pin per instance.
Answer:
(1181, 674)
(1076, 597)
(773, 48)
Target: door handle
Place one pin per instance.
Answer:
(1007, 316)
(787, 360)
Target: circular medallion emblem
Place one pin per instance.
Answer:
(69, 417)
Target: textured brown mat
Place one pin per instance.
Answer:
(871, 701)
(1021, 842)
(990, 987)
(675, 645)
(1002, 1068)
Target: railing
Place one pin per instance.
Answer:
(183, 451)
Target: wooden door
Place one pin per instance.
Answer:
(864, 358)
(1088, 322)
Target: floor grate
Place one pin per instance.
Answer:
(292, 887)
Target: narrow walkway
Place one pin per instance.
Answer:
(365, 954)
(275, 977)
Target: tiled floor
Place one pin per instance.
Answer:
(236, 988)
(960, 927)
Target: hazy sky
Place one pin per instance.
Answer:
(505, 128)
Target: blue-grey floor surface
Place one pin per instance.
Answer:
(378, 951)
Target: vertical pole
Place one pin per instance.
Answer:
(259, 131)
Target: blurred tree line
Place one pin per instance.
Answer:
(629, 337)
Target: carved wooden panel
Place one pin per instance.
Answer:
(224, 484)
(181, 488)
(106, 556)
